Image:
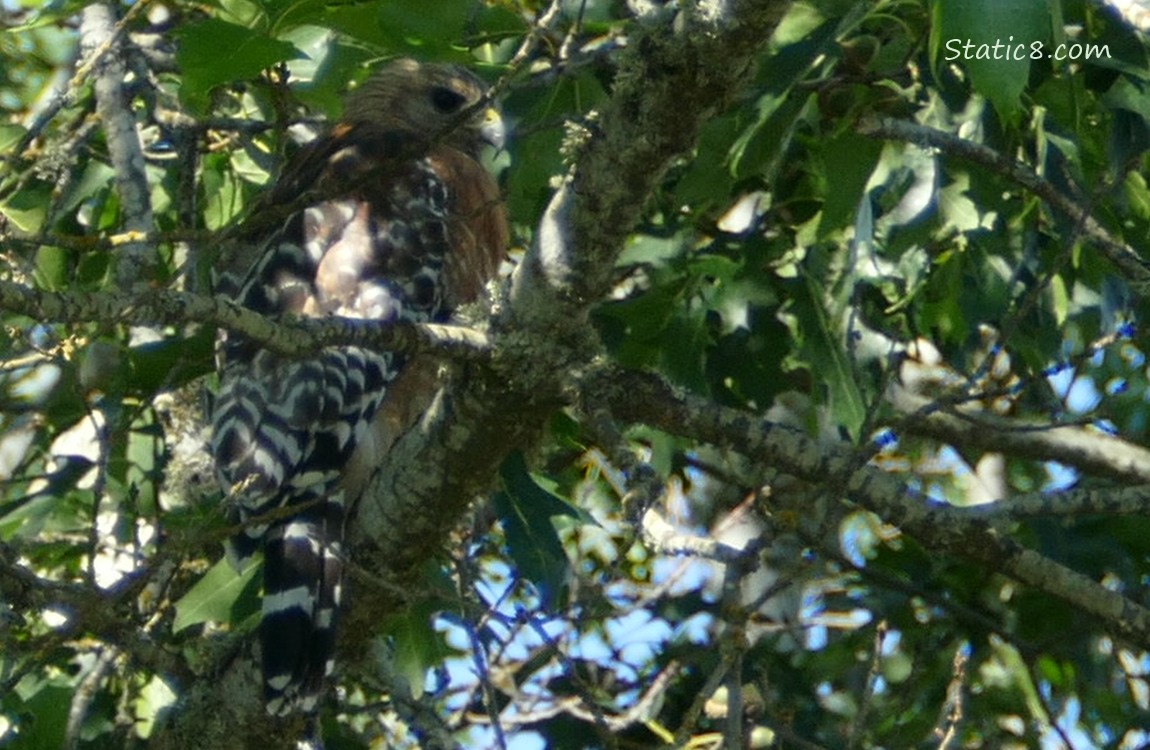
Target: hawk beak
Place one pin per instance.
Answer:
(492, 130)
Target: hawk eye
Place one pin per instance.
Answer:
(446, 100)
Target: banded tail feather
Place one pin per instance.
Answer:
(303, 573)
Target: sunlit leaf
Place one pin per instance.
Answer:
(214, 597)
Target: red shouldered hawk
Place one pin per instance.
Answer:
(390, 216)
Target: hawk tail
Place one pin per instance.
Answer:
(303, 571)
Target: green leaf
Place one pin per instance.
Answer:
(536, 155)
(45, 701)
(152, 700)
(1129, 94)
(646, 249)
(822, 351)
(684, 348)
(30, 515)
(251, 164)
(526, 508)
(418, 646)
(1137, 194)
(171, 361)
(10, 135)
(224, 191)
(52, 12)
(417, 24)
(955, 206)
(758, 149)
(95, 179)
(430, 29)
(808, 37)
(243, 12)
(214, 597)
(214, 52)
(144, 456)
(850, 160)
(1060, 299)
(992, 40)
(53, 267)
(707, 179)
(28, 208)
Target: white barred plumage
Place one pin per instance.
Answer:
(389, 216)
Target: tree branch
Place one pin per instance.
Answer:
(291, 337)
(645, 398)
(1086, 501)
(65, 95)
(1091, 451)
(101, 37)
(674, 75)
(105, 613)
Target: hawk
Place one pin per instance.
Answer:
(389, 216)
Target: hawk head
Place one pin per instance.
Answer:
(438, 101)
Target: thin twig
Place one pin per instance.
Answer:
(643, 492)
(85, 693)
(67, 95)
(691, 718)
(858, 724)
(479, 655)
(947, 729)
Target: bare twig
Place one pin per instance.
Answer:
(89, 610)
(733, 732)
(577, 707)
(947, 730)
(479, 656)
(858, 723)
(643, 492)
(690, 720)
(85, 693)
